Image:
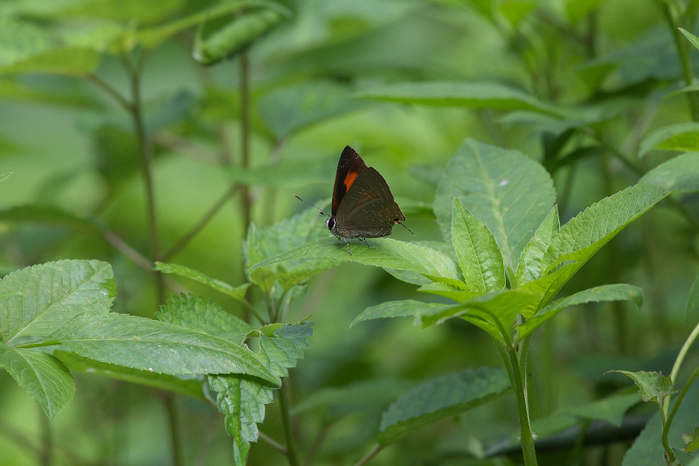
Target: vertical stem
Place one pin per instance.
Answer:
(526, 437)
(245, 136)
(286, 423)
(146, 148)
(172, 413)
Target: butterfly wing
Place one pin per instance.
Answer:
(368, 209)
(349, 168)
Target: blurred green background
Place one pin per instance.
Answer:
(73, 152)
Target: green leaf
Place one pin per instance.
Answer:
(440, 398)
(5, 176)
(692, 311)
(43, 376)
(154, 346)
(390, 309)
(448, 291)
(510, 193)
(652, 386)
(610, 409)
(69, 61)
(37, 300)
(188, 385)
(584, 235)
(550, 284)
(153, 36)
(242, 401)
(135, 11)
(692, 38)
(271, 242)
(679, 137)
(49, 215)
(287, 172)
(647, 449)
(237, 35)
(618, 292)
(691, 440)
(680, 173)
(493, 312)
(237, 293)
(684, 457)
(479, 256)
(290, 109)
(460, 94)
(281, 351)
(386, 252)
(529, 266)
(199, 313)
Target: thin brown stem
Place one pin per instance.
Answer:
(369, 456)
(273, 443)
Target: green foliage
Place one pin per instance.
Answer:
(652, 386)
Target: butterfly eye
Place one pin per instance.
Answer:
(330, 223)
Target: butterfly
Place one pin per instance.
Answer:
(363, 206)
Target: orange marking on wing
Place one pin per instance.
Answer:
(349, 179)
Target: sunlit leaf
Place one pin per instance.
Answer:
(680, 173)
(509, 192)
(43, 376)
(529, 266)
(440, 398)
(679, 137)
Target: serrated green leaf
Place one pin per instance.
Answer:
(610, 409)
(384, 252)
(509, 192)
(448, 291)
(242, 401)
(680, 173)
(647, 449)
(155, 346)
(584, 235)
(493, 312)
(691, 440)
(479, 256)
(199, 313)
(460, 94)
(652, 386)
(679, 137)
(271, 242)
(529, 265)
(440, 398)
(692, 311)
(189, 386)
(549, 285)
(281, 351)
(43, 376)
(618, 292)
(47, 295)
(390, 309)
(237, 293)
(49, 215)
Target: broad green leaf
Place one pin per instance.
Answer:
(281, 351)
(550, 284)
(69, 61)
(290, 109)
(155, 346)
(448, 291)
(529, 266)
(584, 235)
(691, 37)
(610, 409)
(390, 309)
(460, 94)
(237, 35)
(237, 292)
(493, 312)
(364, 396)
(153, 36)
(618, 292)
(49, 215)
(679, 137)
(199, 313)
(440, 398)
(266, 243)
(189, 386)
(692, 311)
(652, 386)
(5, 176)
(384, 252)
(647, 449)
(20, 40)
(680, 173)
(43, 376)
(684, 458)
(509, 192)
(37, 300)
(479, 256)
(691, 440)
(242, 401)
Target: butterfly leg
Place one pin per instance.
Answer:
(348, 247)
(367, 244)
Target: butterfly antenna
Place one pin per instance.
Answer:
(319, 209)
(401, 224)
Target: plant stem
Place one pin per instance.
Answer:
(245, 136)
(675, 408)
(678, 361)
(526, 437)
(172, 414)
(369, 456)
(286, 423)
